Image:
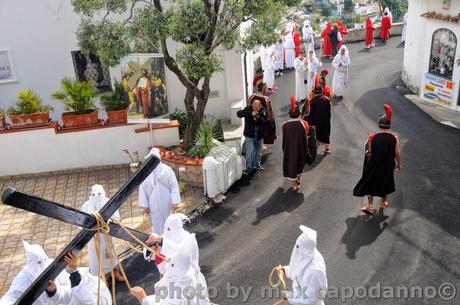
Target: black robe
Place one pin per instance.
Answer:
(320, 117)
(378, 172)
(295, 148)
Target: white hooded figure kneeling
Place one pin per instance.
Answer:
(82, 289)
(96, 202)
(176, 240)
(307, 271)
(176, 287)
(36, 262)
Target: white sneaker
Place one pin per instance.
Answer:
(281, 73)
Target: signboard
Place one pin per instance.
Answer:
(144, 85)
(438, 90)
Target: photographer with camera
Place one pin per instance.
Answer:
(255, 121)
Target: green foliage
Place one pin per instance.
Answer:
(108, 40)
(76, 96)
(349, 7)
(29, 102)
(327, 9)
(114, 101)
(207, 132)
(187, 21)
(181, 117)
(397, 7)
(196, 64)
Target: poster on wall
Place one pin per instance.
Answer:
(144, 84)
(6, 68)
(89, 68)
(438, 90)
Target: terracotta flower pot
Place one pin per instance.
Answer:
(21, 120)
(117, 117)
(72, 120)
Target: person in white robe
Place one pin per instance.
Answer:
(82, 290)
(177, 240)
(341, 64)
(300, 74)
(404, 30)
(96, 202)
(289, 46)
(36, 262)
(269, 72)
(279, 58)
(263, 55)
(313, 65)
(159, 194)
(181, 276)
(307, 271)
(308, 37)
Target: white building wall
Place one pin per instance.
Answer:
(418, 42)
(40, 36)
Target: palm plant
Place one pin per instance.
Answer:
(29, 102)
(76, 96)
(205, 135)
(114, 101)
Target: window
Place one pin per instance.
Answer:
(443, 48)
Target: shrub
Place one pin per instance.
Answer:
(114, 101)
(29, 102)
(76, 96)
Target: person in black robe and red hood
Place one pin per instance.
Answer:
(295, 146)
(318, 113)
(382, 157)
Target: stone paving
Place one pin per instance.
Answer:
(71, 188)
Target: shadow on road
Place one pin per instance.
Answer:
(280, 201)
(362, 231)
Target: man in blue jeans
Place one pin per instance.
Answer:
(255, 120)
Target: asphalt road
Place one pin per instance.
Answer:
(414, 246)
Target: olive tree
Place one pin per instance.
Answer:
(112, 29)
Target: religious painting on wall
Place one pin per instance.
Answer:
(89, 68)
(6, 68)
(144, 82)
(443, 47)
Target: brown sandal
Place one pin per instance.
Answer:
(368, 210)
(384, 205)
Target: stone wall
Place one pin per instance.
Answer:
(190, 174)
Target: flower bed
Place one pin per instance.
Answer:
(187, 169)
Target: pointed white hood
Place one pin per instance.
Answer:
(303, 252)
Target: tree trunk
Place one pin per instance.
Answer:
(195, 114)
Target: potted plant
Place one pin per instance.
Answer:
(135, 163)
(114, 105)
(78, 97)
(205, 135)
(29, 111)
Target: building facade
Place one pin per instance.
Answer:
(432, 51)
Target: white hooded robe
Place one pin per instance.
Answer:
(341, 64)
(279, 56)
(289, 46)
(84, 293)
(308, 35)
(269, 72)
(94, 204)
(158, 193)
(300, 86)
(307, 271)
(36, 262)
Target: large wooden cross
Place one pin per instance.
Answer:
(60, 212)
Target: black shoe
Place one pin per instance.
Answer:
(246, 172)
